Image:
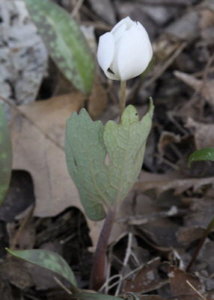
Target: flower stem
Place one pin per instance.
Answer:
(99, 262)
(122, 97)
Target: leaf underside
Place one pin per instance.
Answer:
(5, 155)
(48, 260)
(105, 161)
(64, 41)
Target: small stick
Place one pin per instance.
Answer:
(194, 289)
(62, 286)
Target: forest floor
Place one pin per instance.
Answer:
(156, 235)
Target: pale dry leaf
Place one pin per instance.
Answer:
(207, 25)
(207, 18)
(183, 285)
(38, 149)
(204, 87)
(167, 138)
(146, 279)
(203, 133)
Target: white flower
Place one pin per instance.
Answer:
(125, 51)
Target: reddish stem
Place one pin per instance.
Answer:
(99, 261)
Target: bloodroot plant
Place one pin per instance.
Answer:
(104, 161)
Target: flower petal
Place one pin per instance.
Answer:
(105, 51)
(125, 21)
(134, 52)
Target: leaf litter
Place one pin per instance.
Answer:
(163, 219)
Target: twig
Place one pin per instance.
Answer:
(128, 249)
(62, 286)
(77, 8)
(194, 289)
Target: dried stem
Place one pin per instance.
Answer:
(99, 262)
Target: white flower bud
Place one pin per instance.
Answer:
(125, 51)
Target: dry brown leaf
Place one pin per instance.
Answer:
(187, 235)
(203, 133)
(167, 138)
(146, 280)
(207, 18)
(204, 87)
(38, 141)
(184, 286)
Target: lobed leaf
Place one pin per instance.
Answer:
(65, 42)
(48, 260)
(5, 155)
(104, 161)
(202, 154)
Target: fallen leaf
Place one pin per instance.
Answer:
(203, 87)
(207, 18)
(201, 212)
(16, 273)
(166, 139)
(183, 285)
(38, 139)
(203, 133)
(187, 235)
(147, 279)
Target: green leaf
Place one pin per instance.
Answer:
(105, 161)
(5, 155)
(202, 154)
(48, 260)
(65, 42)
